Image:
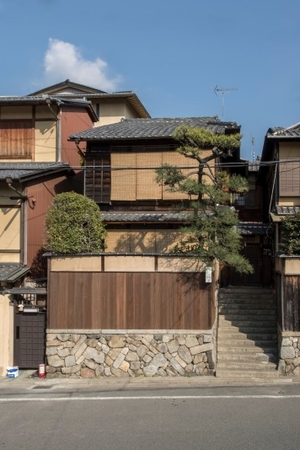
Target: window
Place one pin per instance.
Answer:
(16, 139)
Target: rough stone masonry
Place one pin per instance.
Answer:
(91, 354)
(289, 362)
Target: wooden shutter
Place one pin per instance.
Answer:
(16, 139)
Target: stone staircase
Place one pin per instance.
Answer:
(247, 334)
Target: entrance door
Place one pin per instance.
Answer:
(29, 342)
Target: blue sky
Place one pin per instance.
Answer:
(171, 53)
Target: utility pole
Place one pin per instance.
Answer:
(223, 91)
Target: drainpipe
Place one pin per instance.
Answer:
(273, 197)
(58, 127)
(23, 236)
(23, 222)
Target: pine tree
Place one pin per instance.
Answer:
(210, 232)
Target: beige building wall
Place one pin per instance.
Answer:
(142, 241)
(289, 150)
(10, 223)
(289, 201)
(45, 141)
(76, 264)
(113, 112)
(11, 112)
(125, 263)
(6, 334)
(45, 129)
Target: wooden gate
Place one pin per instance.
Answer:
(29, 341)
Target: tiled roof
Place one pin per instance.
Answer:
(70, 89)
(34, 99)
(287, 210)
(67, 84)
(44, 100)
(24, 171)
(250, 228)
(280, 132)
(244, 228)
(25, 290)
(11, 272)
(152, 128)
(143, 217)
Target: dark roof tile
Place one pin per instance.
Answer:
(11, 272)
(24, 171)
(287, 210)
(280, 132)
(143, 216)
(252, 228)
(152, 128)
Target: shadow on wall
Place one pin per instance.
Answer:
(146, 241)
(39, 265)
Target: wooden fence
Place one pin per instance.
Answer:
(123, 300)
(288, 292)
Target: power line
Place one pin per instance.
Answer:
(236, 164)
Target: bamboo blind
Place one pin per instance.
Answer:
(123, 176)
(147, 187)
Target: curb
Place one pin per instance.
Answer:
(29, 379)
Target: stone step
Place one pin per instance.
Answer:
(231, 343)
(247, 326)
(231, 307)
(242, 300)
(237, 373)
(247, 352)
(233, 312)
(246, 365)
(247, 293)
(259, 335)
(245, 346)
(259, 321)
(251, 356)
(247, 334)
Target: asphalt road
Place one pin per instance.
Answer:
(50, 416)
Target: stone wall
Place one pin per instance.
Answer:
(90, 354)
(289, 362)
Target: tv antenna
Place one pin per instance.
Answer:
(223, 91)
(253, 149)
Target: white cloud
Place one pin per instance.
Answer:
(64, 61)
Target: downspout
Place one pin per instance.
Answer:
(23, 222)
(272, 197)
(58, 128)
(23, 237)
(82, 155)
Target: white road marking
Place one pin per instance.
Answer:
(155, 397)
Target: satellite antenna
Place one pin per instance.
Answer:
(223, 92)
